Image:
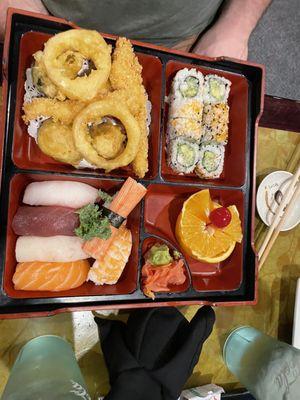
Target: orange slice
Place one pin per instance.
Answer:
(198, 237)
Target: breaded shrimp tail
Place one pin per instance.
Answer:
(59, 111)
(126, 78)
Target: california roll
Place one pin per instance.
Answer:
(216, 89)
(211, 160)
(183, 155)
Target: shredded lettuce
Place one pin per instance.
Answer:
(92, 224)
(107, 198)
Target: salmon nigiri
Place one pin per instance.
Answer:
(130, 194)
(50, 276)
(109, 268)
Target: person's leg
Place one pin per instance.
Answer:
(30, 5)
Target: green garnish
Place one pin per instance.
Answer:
(107, 198)
(92, 224)
(176, 255)
(159, 254)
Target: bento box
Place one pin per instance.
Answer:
(229, 282)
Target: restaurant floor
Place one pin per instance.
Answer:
(273, 314)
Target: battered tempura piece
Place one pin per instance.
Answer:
(56, 140)
(41, 79)
(59, 111)
(126, 80)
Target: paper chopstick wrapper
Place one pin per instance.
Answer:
(206, 392)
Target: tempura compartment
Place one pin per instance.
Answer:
(163, 204)
(236, 148)
(128, 280)
(25, 152)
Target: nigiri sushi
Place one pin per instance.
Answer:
(52, 249)
(45, 221)
(109, 268)
(59, 193)
(130, 194)
(52, 276)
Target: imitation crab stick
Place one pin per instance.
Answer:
(130, 194)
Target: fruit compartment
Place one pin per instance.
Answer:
(235, 150)
(163, 204)
(128, 280)
(26, 153)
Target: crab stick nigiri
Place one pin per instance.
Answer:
(130, 194)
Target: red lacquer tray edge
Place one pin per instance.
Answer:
(126, 306)
(123, 306)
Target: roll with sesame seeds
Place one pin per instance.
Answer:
(215, 123)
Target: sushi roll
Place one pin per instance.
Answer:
(216, 89)
(215, 123)
(186, 105)
(211, 160)
(192, 109)
(186, 99)
(185, 127)
(187, 85)
(183, 155)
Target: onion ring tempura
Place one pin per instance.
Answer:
(93, 114)
(93, 47)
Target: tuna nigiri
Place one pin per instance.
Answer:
(109, 268)
(51, 249)
(45, 221)
(130, 194)
(59, 193)
(50, 276)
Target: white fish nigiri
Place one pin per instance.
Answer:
(52, 249)
(59, 193)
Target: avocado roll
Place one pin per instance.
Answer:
(185, 127)
(215, 123)
(183, 155)
(187, 85)
(211, 160)
(216, 89)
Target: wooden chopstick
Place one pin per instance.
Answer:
(277, 229)
(285, 200)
